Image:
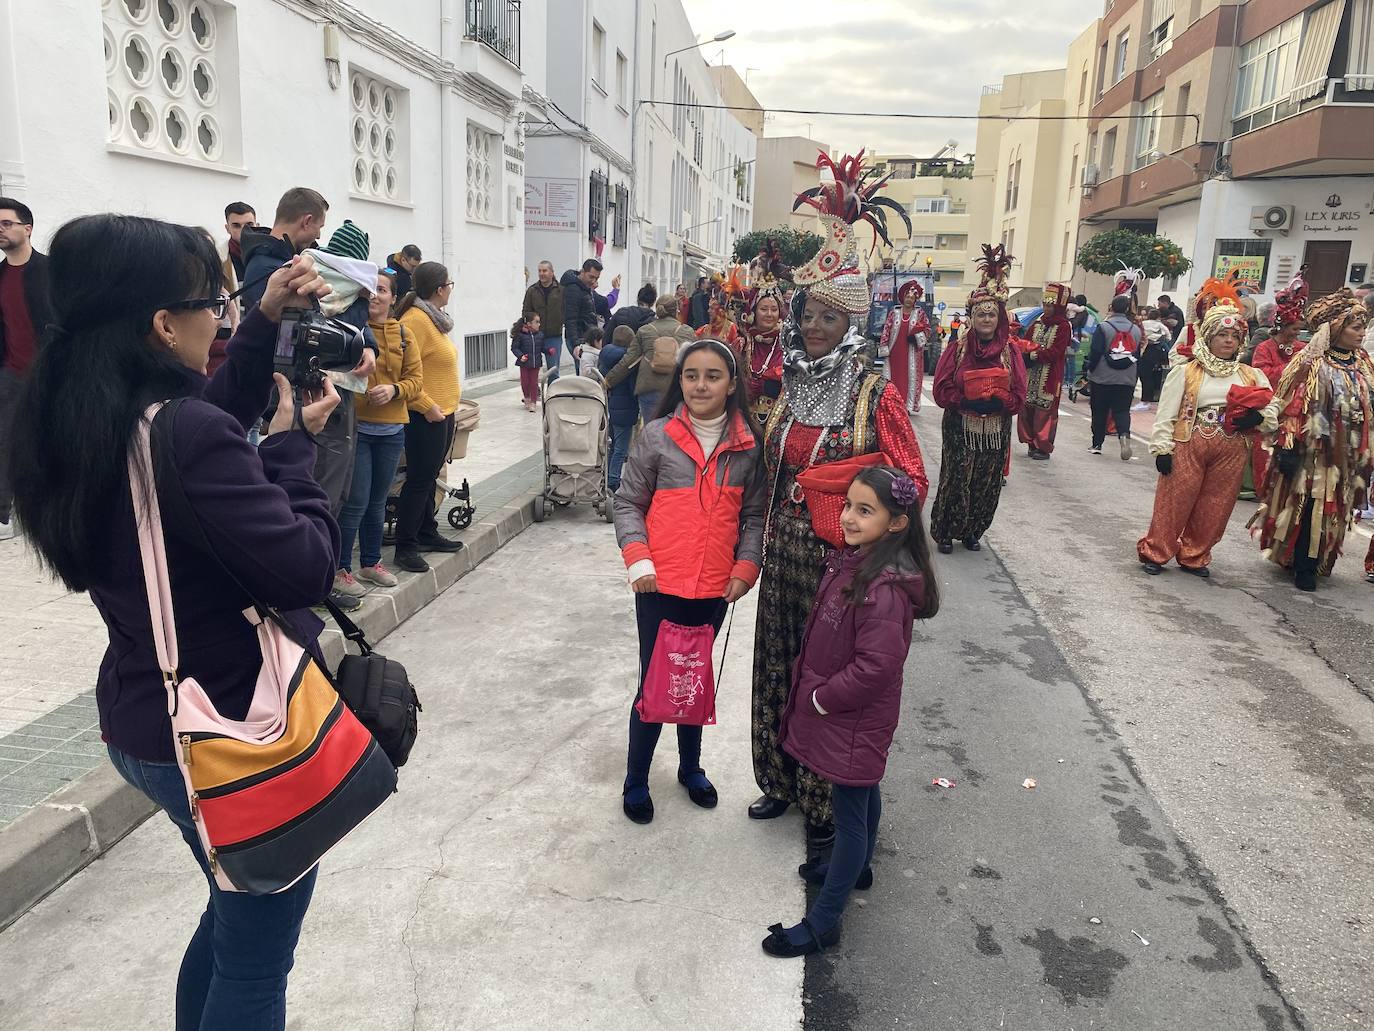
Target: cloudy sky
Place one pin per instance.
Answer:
(924, 56)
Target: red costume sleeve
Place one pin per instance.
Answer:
(945, 386)
(898, 440)
(1268, 360)
(1018, 386)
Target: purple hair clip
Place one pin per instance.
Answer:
(904, 490)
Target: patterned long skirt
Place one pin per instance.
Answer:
(970, 484)
(791, 576)
(1194, 503)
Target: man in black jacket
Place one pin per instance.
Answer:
(1171, 315)
(25, 314)
(297, 225)
(634, 315)
(699, 308)
(579, 307)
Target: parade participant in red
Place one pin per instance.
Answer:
(905, 334)
(1199, 451)
(980, 381)
(833, 407)
(1323, 453)
(760, 340)
(1045, 346)
(1273, 355)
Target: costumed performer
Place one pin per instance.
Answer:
(1323, 455)
(1208, 412)
(833, 407)
(726, 293)
(905, 333)
(760, 340)
(980, 381)
(1272, 356)
(1045, 349)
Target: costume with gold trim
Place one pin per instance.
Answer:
(1045, 348)
(831, 408)
(1326, 397)
(904, 337)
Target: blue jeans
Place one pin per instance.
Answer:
(553, 356)
(573, 343)
(648, 404)
(374, 467)
(857, 811)
(233, 975)
(620, 449)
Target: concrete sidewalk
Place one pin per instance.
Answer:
(61, 803)
(502, 887)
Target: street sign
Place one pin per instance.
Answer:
(941, 306)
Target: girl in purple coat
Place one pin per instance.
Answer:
(847, 685)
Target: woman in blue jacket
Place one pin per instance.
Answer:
(137, 303)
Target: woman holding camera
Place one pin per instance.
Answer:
(382, 419)
(429, 434)
(136, 304)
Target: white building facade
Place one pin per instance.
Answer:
(403, 115)
(662, 190)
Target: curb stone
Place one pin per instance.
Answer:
(43, 848)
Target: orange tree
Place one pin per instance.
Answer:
(1156, 256)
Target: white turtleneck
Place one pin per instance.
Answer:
(708, 433)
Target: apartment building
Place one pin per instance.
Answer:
(786, 166)
(1244, 132)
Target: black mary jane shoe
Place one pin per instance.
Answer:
(778, 944)
(973, 544)
(946, 547)
(1199, 571)
(765, 808)
(819, 837)
(1040, 456)
(810, 873)
(1153, 568)
(705, 797)
(639, 812)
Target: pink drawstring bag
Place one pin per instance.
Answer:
(680, 685)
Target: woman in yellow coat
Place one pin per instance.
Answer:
(430, 431)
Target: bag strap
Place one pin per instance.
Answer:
(152, 548)
(169, 480)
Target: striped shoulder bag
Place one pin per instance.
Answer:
(272, 793)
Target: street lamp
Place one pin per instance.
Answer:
(1159, 155)
(719, 37)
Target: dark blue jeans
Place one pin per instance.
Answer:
(648, 404)
(857, 811)
(233, 975)
(620, 448)
(374, 468)
(553, 356)
(650, 611)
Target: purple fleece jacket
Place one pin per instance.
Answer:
(852, 658)
(265, 517)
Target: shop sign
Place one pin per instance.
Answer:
(552, 203)
(1335, 216)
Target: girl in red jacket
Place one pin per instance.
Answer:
(689, 521)
(847, 685)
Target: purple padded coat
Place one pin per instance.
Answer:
(852, 658)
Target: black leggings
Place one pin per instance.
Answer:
(427, 445)
(1112, 399)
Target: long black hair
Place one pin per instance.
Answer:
(909, 548)
(738, 399)
(427, 280)
(94, 376)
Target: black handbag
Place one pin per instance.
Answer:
(375, 688)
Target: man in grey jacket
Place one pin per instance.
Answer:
(1113, 367)
(650, 385)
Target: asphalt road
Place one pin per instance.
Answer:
(1203, 759)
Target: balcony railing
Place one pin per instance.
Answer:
(496, 24)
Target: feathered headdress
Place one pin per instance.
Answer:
(993, 267)
(1214, 291)
(1127, 279)
(834, 275)
(1290, 304)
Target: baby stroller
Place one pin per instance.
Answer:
(459, 516)
(576, 427)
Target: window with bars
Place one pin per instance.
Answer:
(621, 237)
(485, 352)
(167, 66)
(596, 207)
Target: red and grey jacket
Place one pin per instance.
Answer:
(698, 518)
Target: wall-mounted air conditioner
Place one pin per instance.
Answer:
(1272, 217)
(1089, 176)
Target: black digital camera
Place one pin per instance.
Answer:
(308, 344)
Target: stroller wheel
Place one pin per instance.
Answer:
(607, 511)
(460, 518)
(540, 509)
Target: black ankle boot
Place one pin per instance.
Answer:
(765, 808)
(819, 836)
